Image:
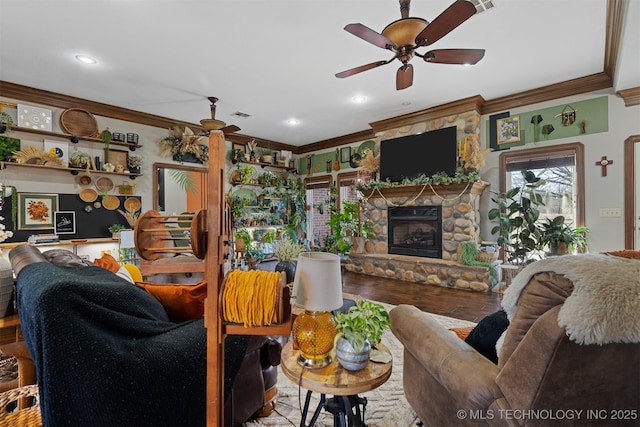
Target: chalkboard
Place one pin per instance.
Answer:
(89, 225)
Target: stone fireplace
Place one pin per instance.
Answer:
(391, 256)
(417, 232)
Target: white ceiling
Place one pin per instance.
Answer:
(276, 60)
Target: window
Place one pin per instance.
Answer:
(562, 167)
(317, 188)
(346, 187)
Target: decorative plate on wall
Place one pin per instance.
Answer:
(78, 122)
(110, 202)
(89, 195)
(34, 117)
(104, 184)
(132, 204)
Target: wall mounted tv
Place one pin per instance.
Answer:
(427, 153)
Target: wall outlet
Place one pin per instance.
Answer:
(610, 212)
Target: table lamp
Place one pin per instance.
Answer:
(317, 289)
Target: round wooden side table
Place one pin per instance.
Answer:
(333, 379)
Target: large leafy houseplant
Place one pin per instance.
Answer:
(516, 215)
(365, 321)
(560, 236)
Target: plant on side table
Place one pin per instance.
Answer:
(359, 329)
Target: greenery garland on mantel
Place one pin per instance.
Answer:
(441, 178)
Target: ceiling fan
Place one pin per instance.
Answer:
(213, 124)
(404, 36)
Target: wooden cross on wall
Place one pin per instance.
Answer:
(604, 162)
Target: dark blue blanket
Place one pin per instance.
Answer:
(107, 355)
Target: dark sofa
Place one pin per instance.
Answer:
(106, 354)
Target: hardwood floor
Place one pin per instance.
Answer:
(467, 305)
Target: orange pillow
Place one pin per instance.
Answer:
(108, 263)
(463, 332)
(181, 302)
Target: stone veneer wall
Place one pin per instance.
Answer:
(460, 222)
(460, 216)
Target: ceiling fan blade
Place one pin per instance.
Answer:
(454, 56)
(360, 69)
(230, 129)
(446, 22)
(371, 36)
(404, 77)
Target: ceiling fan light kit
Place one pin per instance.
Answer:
(404, 36)
(213, 123)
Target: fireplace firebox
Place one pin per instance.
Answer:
(415, 230)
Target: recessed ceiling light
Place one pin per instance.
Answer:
(293, 122)
(86, 59)
(359, 99)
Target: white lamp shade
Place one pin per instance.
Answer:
(317, 285)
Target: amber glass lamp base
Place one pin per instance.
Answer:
(313, 334)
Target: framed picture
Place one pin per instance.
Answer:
(33, 117)
(59, 149)
(119, 157)
(508, 129)
(35, 211)
(65, 222)
(345, 154)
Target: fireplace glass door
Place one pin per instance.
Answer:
(415, 230)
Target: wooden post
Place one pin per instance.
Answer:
(214, 275)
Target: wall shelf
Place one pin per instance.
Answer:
(74, 171)
(74, 139)
(270, 165)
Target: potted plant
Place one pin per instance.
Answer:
(287, 252)
(516, 216)
(246, 173)
(106, 136)
(237, 155)
(80, 159)
(134, 163)
(253, 256)
(359, 329)
(243, 239)
(115, 230)
(561, 238)
(238, 208)
(6, 121)
(184, 146)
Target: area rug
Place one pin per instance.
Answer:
(386, 405)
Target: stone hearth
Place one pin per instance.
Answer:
(460, 222)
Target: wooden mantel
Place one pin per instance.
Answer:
(476, 188)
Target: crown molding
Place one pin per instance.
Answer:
(473, 103)
(45, 97)
(577, 86)
(631, 96)
(335, 142)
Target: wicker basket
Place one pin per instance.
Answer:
(482, 255)
(26, 417)
(487, 256)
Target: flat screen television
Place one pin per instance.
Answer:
(427, 153)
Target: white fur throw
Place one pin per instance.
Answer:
(605, 304)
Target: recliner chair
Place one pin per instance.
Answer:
(569, 372)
